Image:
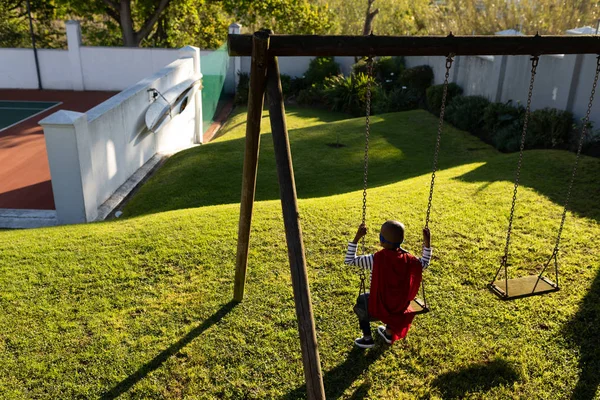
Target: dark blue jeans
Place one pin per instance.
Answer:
(361, 308)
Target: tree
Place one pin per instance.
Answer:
(370, 16)
(148, 15)
(282, 16)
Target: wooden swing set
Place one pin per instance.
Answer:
(264, 47)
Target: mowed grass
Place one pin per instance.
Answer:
(140, 307)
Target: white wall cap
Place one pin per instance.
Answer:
(235, 25)
(189, 49)
(72, 22)
(584, 30)
(509, 32)
(62, 117)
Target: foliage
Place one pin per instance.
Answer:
(386, 70)
(435, 94)
(243, 89)
(549, 128)
(348, 94)
(14, 24)
(321, 68)
(398, 99)
(466, 113)
(503, 124)
(282, 16)
(419, 77)
(311, 96)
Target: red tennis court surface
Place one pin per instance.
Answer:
(24, 171)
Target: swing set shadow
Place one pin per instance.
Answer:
(172, 350)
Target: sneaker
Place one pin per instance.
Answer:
(364, 343)
(381, 331)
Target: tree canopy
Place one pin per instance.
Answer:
(203, 23)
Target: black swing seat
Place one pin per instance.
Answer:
(532, 285)
(418, 306)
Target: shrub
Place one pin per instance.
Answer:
(434, 96)
(466, 113)
(591, 143)
(321, 68)
(549, 128)
(349, 94)
(398, 99)
(286, 84)
(241, 94)
(386, 70)
(419, 78)
(502, 115)
(508, 137)
(311, 96)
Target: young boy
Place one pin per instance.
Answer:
(395, 278)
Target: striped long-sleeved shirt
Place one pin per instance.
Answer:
(366, 261)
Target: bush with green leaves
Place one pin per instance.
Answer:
(321, 68)
(310, 96)
(435, 93)
(348, 94)
(243, 87)
(398, 99)
(503, 120)
(549, 128)
(466, 113)
(419, 77)
(386, 70)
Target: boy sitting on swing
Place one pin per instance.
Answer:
(395, 278)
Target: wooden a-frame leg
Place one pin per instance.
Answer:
(258, 74)
(293, 234)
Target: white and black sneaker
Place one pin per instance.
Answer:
(364, 343)
(383, 334)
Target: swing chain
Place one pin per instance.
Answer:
(363, 276)
(449, 61)
(504, 262)
(586, 121)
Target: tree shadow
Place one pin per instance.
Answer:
(211, 175)
(583, 331)
(548, 172)
(157, 361)
(38, 196)
(476, 378)
(340, 378)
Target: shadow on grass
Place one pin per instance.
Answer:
(157, 361)
(584, 332)
(340, 378)
(548, 172)
(401, 147)
(477, 378)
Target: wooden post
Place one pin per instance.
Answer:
(256, 95)
(293, 234)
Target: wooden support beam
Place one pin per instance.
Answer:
(293, 235)
(258, 79)
(316, 45)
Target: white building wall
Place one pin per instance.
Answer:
(55, 69)
(17, 69)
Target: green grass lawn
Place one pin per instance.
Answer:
(140, 307)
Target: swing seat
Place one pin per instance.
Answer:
(523, 287)
(418, 306)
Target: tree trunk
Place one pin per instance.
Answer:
(370, 16)
(126, 23)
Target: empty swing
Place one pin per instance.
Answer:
(510, 289)
(417, 305)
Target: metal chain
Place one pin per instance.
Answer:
(449, 61)
(367, 133)
(586, 121)
(504, 263)
(366, 159)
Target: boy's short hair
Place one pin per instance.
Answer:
(395, 230)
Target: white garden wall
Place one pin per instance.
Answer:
(92, 154)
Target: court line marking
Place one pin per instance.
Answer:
(31, 116)
(22, 108)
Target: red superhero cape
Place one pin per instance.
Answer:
(395, 282)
